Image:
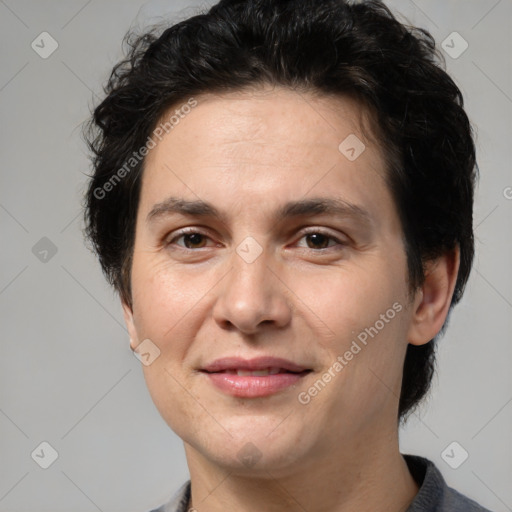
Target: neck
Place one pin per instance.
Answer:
(355, 476)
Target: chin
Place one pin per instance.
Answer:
(254, 447)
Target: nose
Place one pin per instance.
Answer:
(252, 296)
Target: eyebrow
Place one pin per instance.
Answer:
(299, 208)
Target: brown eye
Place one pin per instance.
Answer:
(190, 239)
(194, 240)
(318, 240)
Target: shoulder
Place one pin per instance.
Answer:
(179, 502)
(455, 501)
(434, 495)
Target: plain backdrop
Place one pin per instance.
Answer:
(67, 376)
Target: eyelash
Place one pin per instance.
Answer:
(315, 231)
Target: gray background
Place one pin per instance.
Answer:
(67, 375)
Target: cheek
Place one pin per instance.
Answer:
(165, 298)
(351, 298)
(168, 310)
(173, 398)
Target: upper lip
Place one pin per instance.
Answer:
(257, 363)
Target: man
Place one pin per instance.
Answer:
(282, 196)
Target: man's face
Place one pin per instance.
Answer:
(268, 280)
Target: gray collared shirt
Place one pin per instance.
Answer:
(433, 496)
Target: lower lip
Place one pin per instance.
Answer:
(253, 386)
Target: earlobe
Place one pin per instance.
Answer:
(130, 324)
(433, 299)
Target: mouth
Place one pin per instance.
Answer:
(254, 378)
(255, 373)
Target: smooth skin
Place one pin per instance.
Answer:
(320, 279)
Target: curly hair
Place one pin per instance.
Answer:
(328, 47)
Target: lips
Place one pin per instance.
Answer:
(255, 373)
(254, 378)
(266, 363)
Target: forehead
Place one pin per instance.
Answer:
(275, 117)
(264, 142)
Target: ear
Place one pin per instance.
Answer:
(432, 301)
(130, 324)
